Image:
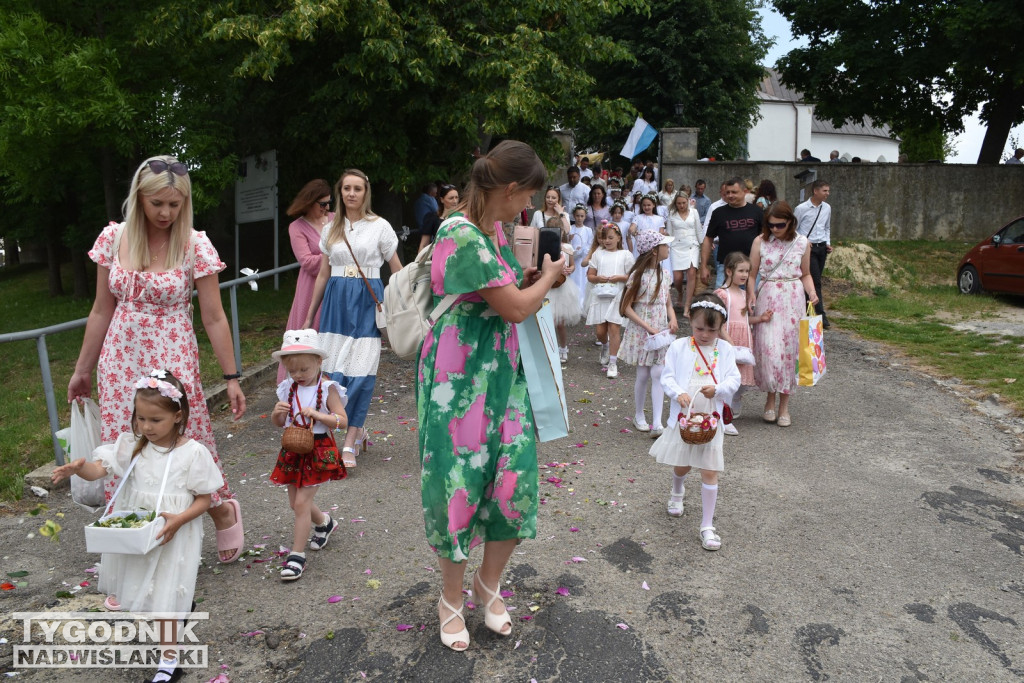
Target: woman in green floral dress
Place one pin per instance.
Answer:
(478, 450)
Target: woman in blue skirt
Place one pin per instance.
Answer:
(355, 240)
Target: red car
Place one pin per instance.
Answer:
(996, 263)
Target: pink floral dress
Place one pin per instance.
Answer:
(776, 342)
(152, 329)
(634, 339)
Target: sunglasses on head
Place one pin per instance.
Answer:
(776, 226)
(158, 166)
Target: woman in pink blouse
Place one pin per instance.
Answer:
(312, 206)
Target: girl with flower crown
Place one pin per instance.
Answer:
(700, 376)
(156, 449)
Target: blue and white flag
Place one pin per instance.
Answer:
(639, 139)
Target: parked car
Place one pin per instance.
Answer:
(996, 263)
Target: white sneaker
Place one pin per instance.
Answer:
(613, 371)
(563, 355)
(730, 430)
(605, 354)
(737, 406)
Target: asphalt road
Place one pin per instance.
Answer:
(880, 537)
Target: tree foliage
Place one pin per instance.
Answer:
(702, 54)
(405, 89)
(916, 64)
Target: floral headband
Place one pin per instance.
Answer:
(709, 304)
(156, 381)
(650, 195)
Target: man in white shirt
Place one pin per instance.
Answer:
(585, 171)
(1015, 159)
(814, 221)
(573, 192)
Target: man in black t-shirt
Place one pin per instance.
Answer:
(735, 225)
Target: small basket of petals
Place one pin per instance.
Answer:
(699, 428)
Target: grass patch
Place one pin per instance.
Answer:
(24, 305)
(911, 316)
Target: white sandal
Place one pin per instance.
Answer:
(675, 505)
(449, 639)
(709, 540)
(348, 457)
(495, 622)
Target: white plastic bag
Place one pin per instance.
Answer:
(83, 438)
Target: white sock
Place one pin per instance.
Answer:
(165, 669)
(677, 484)
(708, 498)
(657, 395)
(611, 359)
(643, 376)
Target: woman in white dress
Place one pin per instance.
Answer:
(667, 194)
(684, 226)
(646, 184)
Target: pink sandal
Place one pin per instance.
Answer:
(111, 604)
(233, 536)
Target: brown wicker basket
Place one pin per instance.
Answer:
(693, 433)
(297, 439)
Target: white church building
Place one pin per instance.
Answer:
(788, 125)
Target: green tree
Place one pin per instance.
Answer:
(702, 54)
(915, 64)
(84, 101)
(405, 89)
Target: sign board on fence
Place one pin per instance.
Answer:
(256, 187)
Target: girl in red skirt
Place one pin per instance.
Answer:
(307, 398)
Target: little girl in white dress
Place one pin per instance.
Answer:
(164, 579)
(700, 371)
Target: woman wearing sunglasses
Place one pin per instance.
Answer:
(311, 209)
(782, 261)
(142, 319)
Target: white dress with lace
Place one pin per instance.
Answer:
(164, 579)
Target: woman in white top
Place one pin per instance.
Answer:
(646, 182)
(684, 226)
(552, 209)
(668, 194)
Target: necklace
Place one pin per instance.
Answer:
(157, 253)
(697, 365)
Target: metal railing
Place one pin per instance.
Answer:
(40, 334)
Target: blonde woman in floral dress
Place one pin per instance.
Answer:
(142, 319)
(782, 261)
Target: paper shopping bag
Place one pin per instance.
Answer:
(538, 349)
(811, 361)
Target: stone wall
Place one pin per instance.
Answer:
(887, 201)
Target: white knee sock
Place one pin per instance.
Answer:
(643, 376)
(708, 498)
(677, 484)
(657, 395)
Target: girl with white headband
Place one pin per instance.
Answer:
(699, 370)
(156, 449)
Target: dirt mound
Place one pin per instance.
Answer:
(862, 265)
